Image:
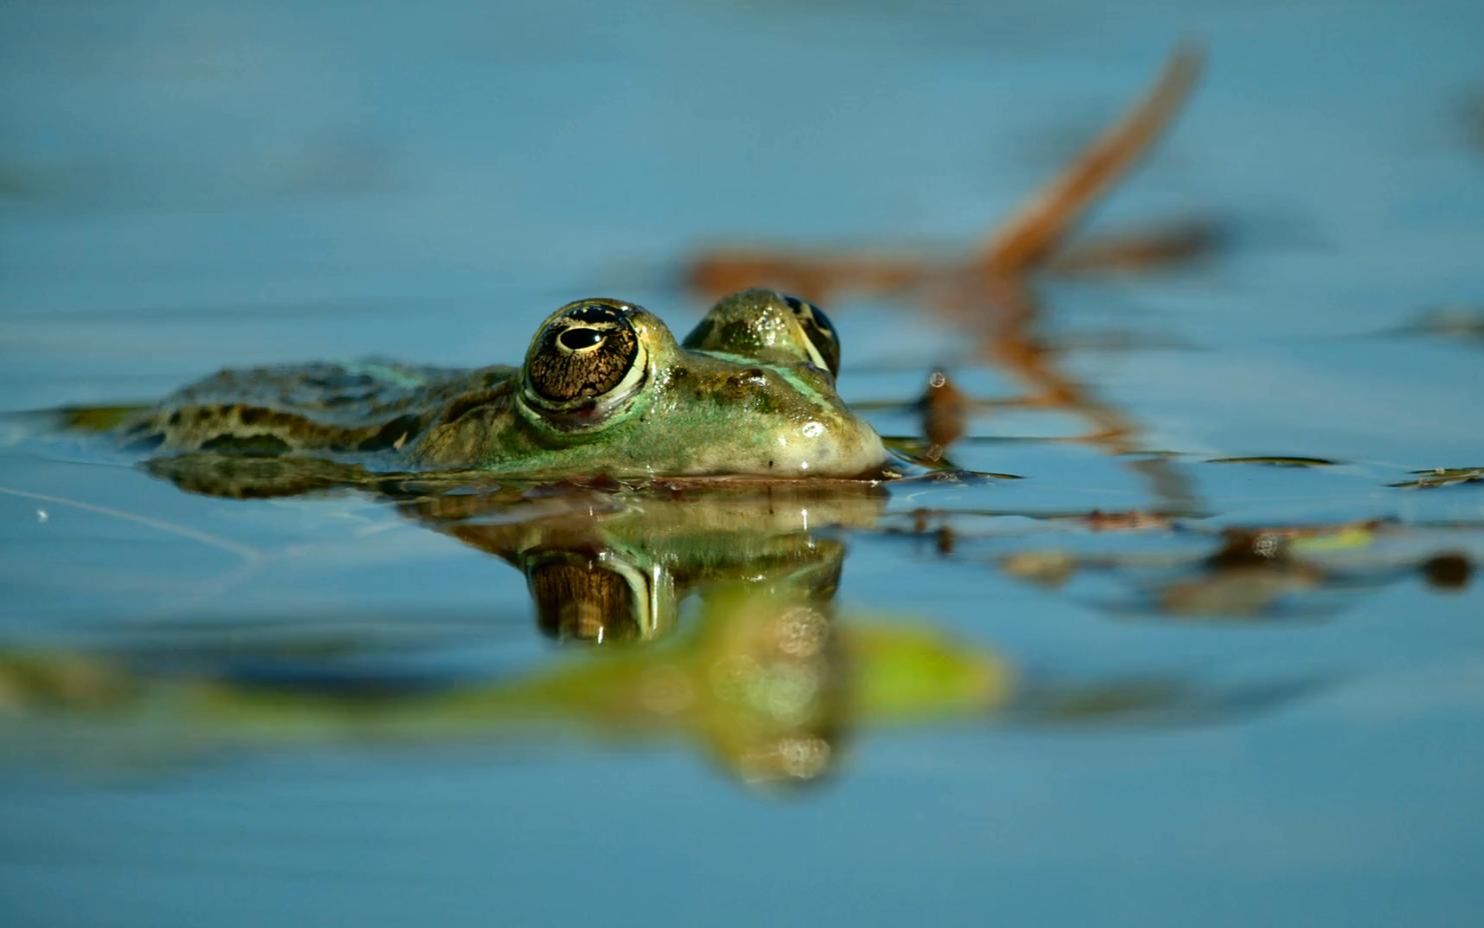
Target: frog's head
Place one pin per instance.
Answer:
(766, 325)
(605, 388)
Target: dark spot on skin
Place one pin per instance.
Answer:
(770, 465)
(175, 417)
(388, 436)
(679, 373)
(252, 415)
(146, 443)
(258, 446)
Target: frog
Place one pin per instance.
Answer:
(605, 388)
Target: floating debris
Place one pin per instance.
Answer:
(1043, 568)
(1461, 321)
(1134, 521)
(1448, 572)
(1276, 461)
(1441, 477)
(945, 410)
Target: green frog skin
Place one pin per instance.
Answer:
(605, 389)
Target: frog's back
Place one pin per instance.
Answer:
(362, 407)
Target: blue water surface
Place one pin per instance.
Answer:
(191, 185)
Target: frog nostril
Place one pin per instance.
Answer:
(578, 339)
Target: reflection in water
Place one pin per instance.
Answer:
(607, 566)
(1261, 572)
(604, 561)
(1442, 477)
(764, 678)
(767, 682)
(770, 684)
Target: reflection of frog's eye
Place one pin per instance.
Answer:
(586, 352)
(824, 342)
(597, 598)
(579, 600)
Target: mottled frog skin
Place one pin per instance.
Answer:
(605, 389)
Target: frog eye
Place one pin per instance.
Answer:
(588, 352)
(824, 342)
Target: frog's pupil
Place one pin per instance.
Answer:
(578, 339)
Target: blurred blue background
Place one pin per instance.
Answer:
(190, 185)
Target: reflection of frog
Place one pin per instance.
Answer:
(612, 566)
(605, 389)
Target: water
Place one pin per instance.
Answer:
(188, 186)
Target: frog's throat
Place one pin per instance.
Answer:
(588, 415)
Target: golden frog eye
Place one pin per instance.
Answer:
(824, 341)
(585, 352)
